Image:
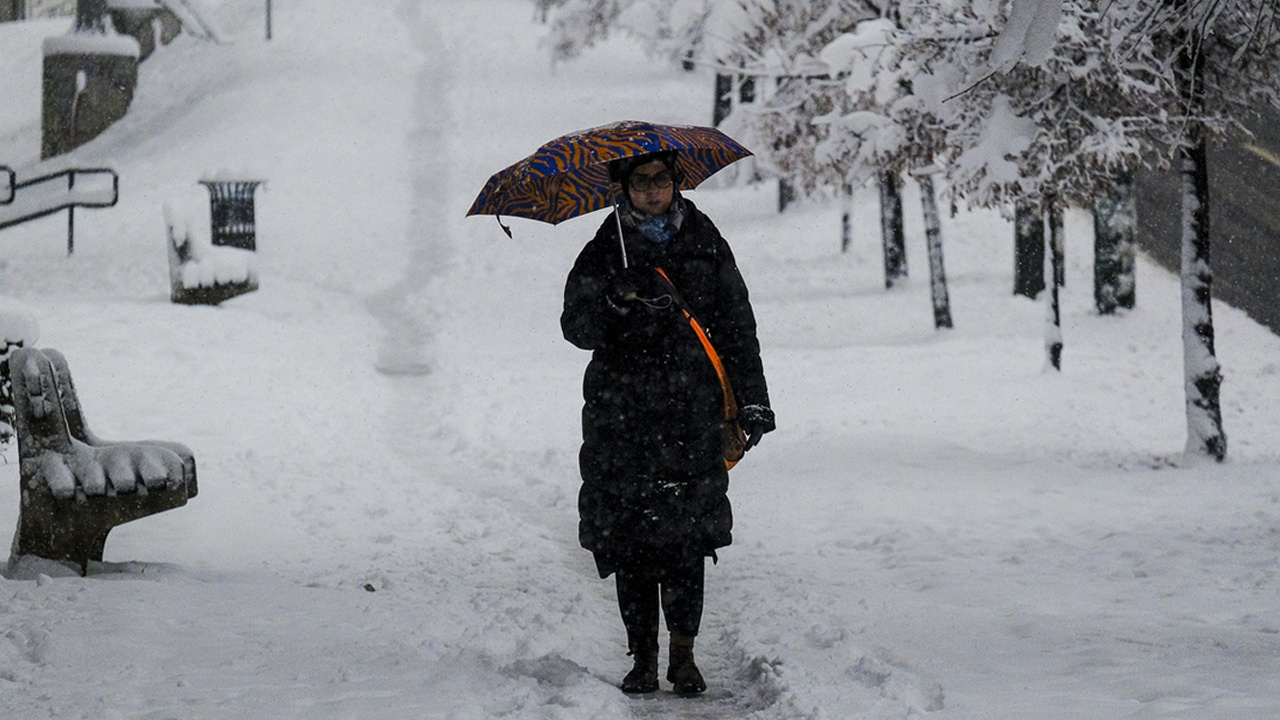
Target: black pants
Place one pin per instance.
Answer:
(675, 585)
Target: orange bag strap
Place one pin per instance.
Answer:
(730, 401)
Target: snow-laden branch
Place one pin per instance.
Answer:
(1029, 34)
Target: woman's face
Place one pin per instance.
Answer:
(642, 187)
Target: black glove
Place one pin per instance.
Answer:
(623, 289)
(756, 420)
(635, 286)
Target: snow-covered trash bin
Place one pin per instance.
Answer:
(18, 328)
(201, 273)
(76, 487)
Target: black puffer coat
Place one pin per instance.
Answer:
(654, 481)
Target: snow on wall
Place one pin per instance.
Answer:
(76, 43)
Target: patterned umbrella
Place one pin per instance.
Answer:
(569, 176)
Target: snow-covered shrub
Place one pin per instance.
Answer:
(18, 328)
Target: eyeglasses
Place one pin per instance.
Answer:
(660, 180)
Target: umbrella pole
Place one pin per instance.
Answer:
(621, 245)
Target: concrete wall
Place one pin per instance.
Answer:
(89, 78)
(84, 93)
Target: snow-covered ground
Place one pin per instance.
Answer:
(387, 430)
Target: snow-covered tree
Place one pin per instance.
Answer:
(862, 107)
(1178, 72)
(1072, 124)
(880, 118)
(1225, 59)
(1059, 115)
(750, 35)
(1062, 119)
(774, 44)
(1014, 100)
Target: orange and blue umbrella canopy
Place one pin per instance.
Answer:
(569, 176)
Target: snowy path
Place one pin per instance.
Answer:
(526, 440)
(494, 446)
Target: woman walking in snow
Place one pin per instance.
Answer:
(654, 503)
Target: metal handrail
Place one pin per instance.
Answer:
(11, 186)
(69, 205)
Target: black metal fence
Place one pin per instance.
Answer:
(56, 199)
(9, 190)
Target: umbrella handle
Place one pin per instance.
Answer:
(621, 245)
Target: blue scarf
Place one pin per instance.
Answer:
(659, 229)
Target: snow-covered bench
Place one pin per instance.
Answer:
(75, 486)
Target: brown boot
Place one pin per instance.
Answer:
(643, 678)
(682, 672)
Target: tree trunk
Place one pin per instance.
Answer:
(1115, 224)
(892, 234)
(723, 100)
(1053, 331)
(933, 237)
(746, 89)
(846, 218)
(1028, 250)
(786, 194)
(1203, 375)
